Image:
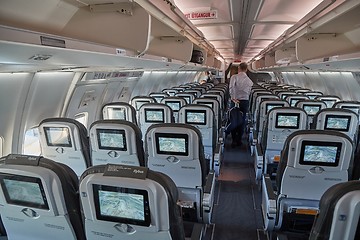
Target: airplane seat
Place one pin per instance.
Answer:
(350, 105)
(311, 107)
(175, 103)
(65, 140)
(311, 162)
(171, 92)
(131, 203)
(329, 100)
(188, 97)
(39, 199)
(117, 142)
(338, 119)
(280, 123)
(339, 213)
(202, 117)
(151, 113)
(158, 96)
(293, 99)
(176, 149)
(119, 111)
(138, 101)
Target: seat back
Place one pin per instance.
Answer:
(311, 107)
(151, 113)
(176, 149)
(117, 142)
(216, 97)
(39, 199)
(313, 94)
(158, 96)
(313, 160)
(339, 213)
(189, 97)
(280, 123)
(265, 107)
(343, 120)
(293, 99)
(329, 100)
(214, 105)
(175, 103)
(132, 203)
(119, 111)
(350, 105)
(65, 140)
(284, 95)
(201, 117)
(138, 101)
(259, 99)
(197, 93)
(170, 91)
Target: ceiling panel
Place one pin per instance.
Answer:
(285, 10)
(258, 43)
(223, 44)
(217, 32)
(268, 31)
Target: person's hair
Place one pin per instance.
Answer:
(243, 67)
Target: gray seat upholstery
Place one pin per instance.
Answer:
(311, 162)
(39, 199)
(65, 140)
(339, 215)
(117, 142)
(119, 111)
(131, 203)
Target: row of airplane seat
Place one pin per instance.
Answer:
(162, 189)
(304, 144)
(43, 199)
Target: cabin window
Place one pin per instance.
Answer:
(82, 118)
(32, 142)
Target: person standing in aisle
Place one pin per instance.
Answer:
(239, 89)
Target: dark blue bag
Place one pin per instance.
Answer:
(235, 118)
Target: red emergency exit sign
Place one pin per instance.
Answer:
(212, 14)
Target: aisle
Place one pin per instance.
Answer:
(237, 212)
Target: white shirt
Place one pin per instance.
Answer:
(240, 86)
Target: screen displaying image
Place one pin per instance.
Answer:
(117, 113)
(311, 109)
(138, 104)
(154, 115)
(111, 139)
(24, 191)
(209, 104)
(195, 117)
(337, 122)
(320, 153)
(122, 205)
(354, 109)
(174, 105)
(172, 144)
(287, 120)
(57, 136)
(271, 106)
(329, 103)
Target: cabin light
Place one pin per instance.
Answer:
(40, 57)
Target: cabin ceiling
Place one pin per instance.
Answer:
(243, 28)
(270, 32)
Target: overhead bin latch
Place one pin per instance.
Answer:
(124, 8)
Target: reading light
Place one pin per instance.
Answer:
(40, 57)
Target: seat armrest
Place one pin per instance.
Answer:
(208, 197)
(268, 203)
(197, 232)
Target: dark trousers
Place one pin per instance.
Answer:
(237, 133)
